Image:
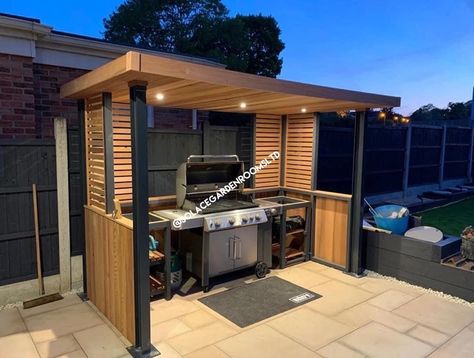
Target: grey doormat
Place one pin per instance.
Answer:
(256, 301)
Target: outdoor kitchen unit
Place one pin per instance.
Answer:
(228, 238)
(113, 103)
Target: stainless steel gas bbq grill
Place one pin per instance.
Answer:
(228, 238)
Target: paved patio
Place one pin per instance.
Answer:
(371, 317)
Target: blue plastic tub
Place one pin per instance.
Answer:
(397, 226)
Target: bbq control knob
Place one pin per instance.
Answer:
(251, 218)
(231, 221)
(273, 211)
(245, 219)
(257, 217)
(217, 223)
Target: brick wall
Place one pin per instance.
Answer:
(17, 116)
(29, 100)
(29, 97)
(47, 81)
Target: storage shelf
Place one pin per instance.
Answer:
(156, 286)
(290, 253)
(155, 257)
(294, 232)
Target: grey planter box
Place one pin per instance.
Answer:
(418, 262)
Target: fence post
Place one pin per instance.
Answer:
(470, 156)
(406, 164)
(62, 179)
(442, 155)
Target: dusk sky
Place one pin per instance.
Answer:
(421, 50)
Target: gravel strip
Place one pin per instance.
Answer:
(20, 303)
(425, 290)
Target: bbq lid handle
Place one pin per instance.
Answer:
(192, 158)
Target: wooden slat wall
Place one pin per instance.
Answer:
(122, 151)
(95, 152)
(267, 140)
(299, 151)
(110, 282)
(331, 220)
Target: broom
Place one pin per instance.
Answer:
(44, 298)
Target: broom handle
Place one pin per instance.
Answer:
(37, 242)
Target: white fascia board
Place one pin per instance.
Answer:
(104, 49)
(24, 26)
(63, 58)
(61, 49)
(17, 46)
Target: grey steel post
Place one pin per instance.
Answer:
(442, 156)
(82, 155)
(406, 165)
(108, 151)
(314, 173)
(138, 116)
(284, 120)
(357, 209)
(253, 147)
(470, 156)
(314, 183)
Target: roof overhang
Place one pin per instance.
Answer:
(196, 86)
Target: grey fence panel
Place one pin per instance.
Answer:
(385, 157)
(384, 160)
(76, 190)
(167, 149)
(458, 145)
(425, 155)
(23, 164)
(336, 146)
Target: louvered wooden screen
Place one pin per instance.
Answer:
(122, 151)
(299, 151)
(267, 140)
(95, 152)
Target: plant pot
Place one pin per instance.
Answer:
(467, 248)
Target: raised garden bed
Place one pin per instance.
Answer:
(418, 262)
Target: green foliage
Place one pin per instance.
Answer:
(203, 28)
(167, 25)
(454, 111)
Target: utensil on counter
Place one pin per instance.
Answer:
(371, 209)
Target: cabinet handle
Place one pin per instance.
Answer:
(229, 254)
(239, 242)
(235, 249)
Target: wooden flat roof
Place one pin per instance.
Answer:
(196, 86)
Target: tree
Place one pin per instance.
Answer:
(457, 110)
(264, 45)
(428, 112)
(244, 43)
(454, 111)
(165, 25)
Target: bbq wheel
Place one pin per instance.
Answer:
(206, 289)
(261, 269)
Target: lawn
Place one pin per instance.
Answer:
(450, 219)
